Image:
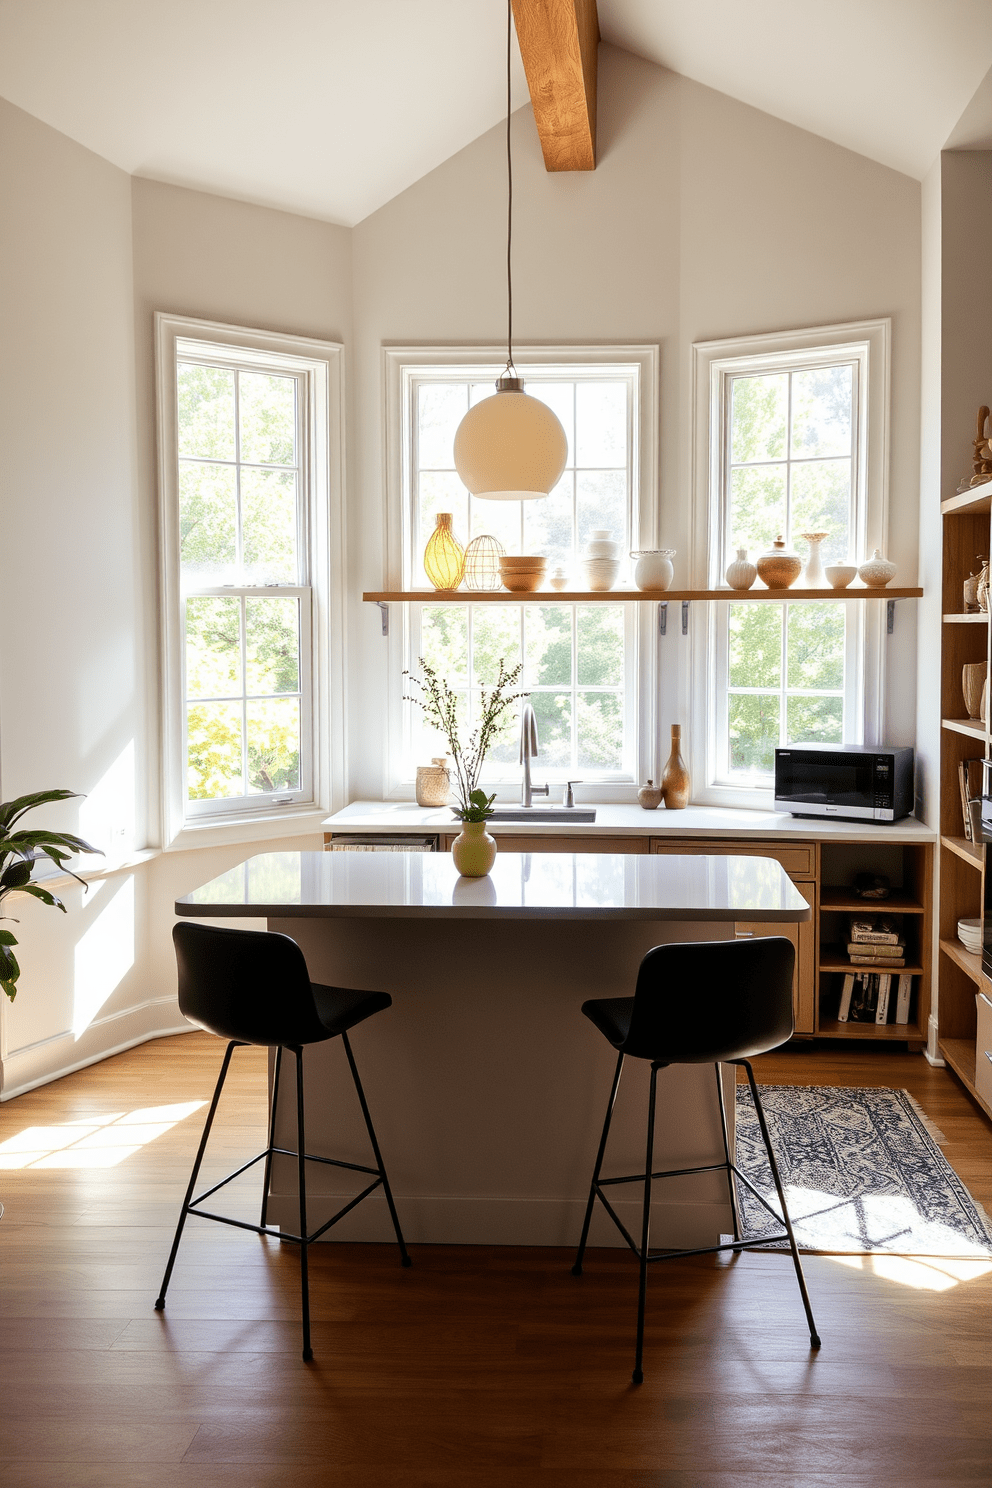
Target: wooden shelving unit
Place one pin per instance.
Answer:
(612, 596)
(910, 868)
(965, 638)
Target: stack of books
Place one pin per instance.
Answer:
(876, 940)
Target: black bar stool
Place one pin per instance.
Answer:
(698, 1003)
(253, 988)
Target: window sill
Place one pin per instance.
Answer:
(214, 833)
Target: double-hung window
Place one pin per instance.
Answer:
(795, 445)
(579, 660)
(246, 447)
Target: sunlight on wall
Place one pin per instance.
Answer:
(924, 1273)
(92, 1143)
(103, 957)
(106, 817)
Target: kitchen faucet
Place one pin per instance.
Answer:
(528, 751)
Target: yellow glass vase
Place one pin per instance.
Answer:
(444, 556)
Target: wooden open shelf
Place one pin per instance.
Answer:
(896, 903)
(831, 1028)
(973, 502)
(612, 596)
(982, 618)
(960, 1055)
(965, 850)
(973, 727)
(835, 958)
(969, 962)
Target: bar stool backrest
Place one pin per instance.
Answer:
(702, 1001)
(248, 985)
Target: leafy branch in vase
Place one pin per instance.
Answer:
(440, 707)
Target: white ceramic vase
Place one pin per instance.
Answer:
(741, 574)
(600, 573)
(813, 575)
(601, 545)
(877, 572)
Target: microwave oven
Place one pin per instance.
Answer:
(854, 782)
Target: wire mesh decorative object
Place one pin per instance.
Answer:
(444, 556)
(482, 562)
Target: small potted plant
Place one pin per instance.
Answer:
(18, 851)
(473, 850)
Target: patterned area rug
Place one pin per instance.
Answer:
(862, 1173)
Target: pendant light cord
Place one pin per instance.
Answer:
(510, 369)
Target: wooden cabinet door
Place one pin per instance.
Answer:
(803, 937)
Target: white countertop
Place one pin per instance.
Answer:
(583, 886)
(633, 821)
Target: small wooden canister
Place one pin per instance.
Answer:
(434, 782)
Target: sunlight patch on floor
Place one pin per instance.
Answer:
(923, 1273)
(89, 1142)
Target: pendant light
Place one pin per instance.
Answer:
(510, 447)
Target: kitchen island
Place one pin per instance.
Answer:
(486, 1084)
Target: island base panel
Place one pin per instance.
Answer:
(488, 1087)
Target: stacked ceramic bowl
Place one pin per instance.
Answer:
(601, 561)
(970, 935)
(522, 575)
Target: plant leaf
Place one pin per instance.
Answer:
(45, 895)
(11, 810)
(15, 876)
(7, 938)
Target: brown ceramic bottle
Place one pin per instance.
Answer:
(675, 781)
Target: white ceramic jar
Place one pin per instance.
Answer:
(600, 573)
(653, 569)
(877, 572)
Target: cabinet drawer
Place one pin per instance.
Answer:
(797, 858)
(983, 1049)
(803, 937)
(524, 843)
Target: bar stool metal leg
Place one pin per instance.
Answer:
(404, 1257)
(160, 1299)
(726, 1152)
(577, 1268)
(814, 1337)
(267, 1176)
(638, 1375)
(301, 1153)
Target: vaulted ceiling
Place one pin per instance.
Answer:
(332, 107)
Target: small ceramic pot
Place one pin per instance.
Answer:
(473, 850)
(601, 573)
(559, 579)
(653, 569)
(973, 683)
(601, 545)
(839, 575)
(778, 568)
(877, 572)
(649, 796)
(741, 574)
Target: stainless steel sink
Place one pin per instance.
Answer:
(543, 814)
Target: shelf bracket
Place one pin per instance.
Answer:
(384, 608)
(663, 617)
(890, 616)
(685, 617)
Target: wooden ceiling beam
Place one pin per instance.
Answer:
(559, 43)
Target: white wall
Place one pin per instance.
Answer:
(704, 218)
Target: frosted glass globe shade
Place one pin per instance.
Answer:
(510, 447)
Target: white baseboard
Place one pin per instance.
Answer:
(446, 1220)
(26, 1069)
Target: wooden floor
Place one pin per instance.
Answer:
(477, 1367)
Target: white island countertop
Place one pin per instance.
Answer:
(390, 817)
(521, 886)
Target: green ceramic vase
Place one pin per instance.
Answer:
(473, 850)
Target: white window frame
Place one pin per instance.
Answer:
(318, 366)
(403, 368)
(714, 363)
